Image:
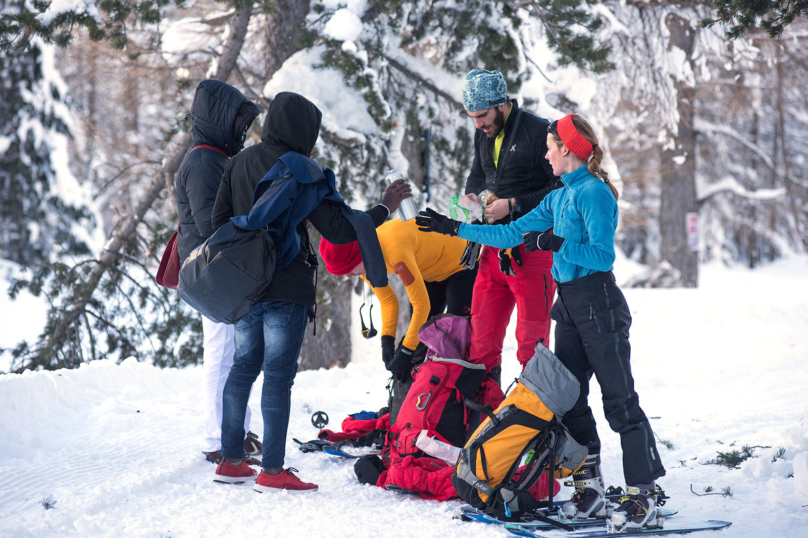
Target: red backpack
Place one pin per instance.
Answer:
(442, 383)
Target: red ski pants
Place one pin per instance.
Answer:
(531, 290)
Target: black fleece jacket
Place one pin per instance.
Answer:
(292, 124)
(220, 117)
(527, 175)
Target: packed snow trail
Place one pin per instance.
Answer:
(717, 368)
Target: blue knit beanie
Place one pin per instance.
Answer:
(484, 89)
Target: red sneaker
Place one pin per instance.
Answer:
(234, 474)
(284, 480)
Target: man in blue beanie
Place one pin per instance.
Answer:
(509, 149)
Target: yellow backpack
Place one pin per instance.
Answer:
(520, 440)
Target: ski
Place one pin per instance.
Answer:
(333, 449)
(521, 530)
(340, 453)
(469, 513)
(399, 489)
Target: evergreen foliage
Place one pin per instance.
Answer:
(111, 307)
(742, 15)
(112, 20)
(33, 220)
(454, 38)
(129, 315)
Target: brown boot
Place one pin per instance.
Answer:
(213, 457)
(252, 446)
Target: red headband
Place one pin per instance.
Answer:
(574, 140)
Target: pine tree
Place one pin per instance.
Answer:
(742, 15)
(108, 306)
(33, 219)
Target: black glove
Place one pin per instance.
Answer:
(505, 262)
(401, 365)
(542, 241)
(388, 349)
(470, 256)
(432, 221)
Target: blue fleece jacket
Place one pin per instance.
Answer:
(584, 213)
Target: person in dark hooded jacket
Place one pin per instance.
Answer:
(272, 333)
(220, 117)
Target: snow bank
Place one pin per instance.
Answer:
(22, 319)
(717, 368)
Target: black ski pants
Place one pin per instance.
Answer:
(591, 336)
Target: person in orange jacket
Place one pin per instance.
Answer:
(428, 265)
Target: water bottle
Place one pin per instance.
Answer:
(436, 448)
(406, 210)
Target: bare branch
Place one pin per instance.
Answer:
(412, 75)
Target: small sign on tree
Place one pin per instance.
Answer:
(693, 231)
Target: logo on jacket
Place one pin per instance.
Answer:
(513, 148)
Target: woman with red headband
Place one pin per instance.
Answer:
(591, 314)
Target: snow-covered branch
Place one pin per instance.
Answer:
(730, 184)
(703, 126)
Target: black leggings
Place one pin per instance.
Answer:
(591, 336)
(452, 294)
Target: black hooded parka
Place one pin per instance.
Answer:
(220, 117)
(292, 124)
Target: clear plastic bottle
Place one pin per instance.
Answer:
(406, 210)
(436, 448)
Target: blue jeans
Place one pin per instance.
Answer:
(269, 336)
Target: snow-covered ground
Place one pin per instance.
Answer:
(116, 446)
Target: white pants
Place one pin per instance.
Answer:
(220, 350)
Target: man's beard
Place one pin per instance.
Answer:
(498, 124)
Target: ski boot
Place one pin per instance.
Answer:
(637, 510)
(589, 500)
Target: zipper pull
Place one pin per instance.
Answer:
(591, 312)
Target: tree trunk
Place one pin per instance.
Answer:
(331, 346)
(780, 130)
(281, 30)
(678, 169)
(131, 99)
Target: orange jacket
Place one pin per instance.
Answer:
(416, 257)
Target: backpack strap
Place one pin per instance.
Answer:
(480, 409)
(212, 148)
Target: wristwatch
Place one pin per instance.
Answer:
(512, 206)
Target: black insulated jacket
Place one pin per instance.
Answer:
(527, 175)
(220, 117)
